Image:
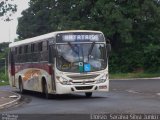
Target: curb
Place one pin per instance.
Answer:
(155, 78)
(9, 104)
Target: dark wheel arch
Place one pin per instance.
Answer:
(21, 87)
(45, 88)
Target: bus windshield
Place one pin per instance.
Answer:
(81, 57)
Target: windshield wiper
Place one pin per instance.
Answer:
(72, 48)
(77, 51)
(90, 50)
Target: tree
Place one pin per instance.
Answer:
(133, 26)
(47, 15)
(7, 8)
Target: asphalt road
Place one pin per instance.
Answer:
(133, 96)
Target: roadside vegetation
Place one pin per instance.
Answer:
(132, 26)
(3, 77)
(133, 75)
(3, 64)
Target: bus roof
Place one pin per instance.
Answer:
(45, 36)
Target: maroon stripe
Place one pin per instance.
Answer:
(43, 66)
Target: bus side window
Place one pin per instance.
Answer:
(26, 49)
(16, 51)
(45, 46)
(40, 46)
(20, 50)
(29, 48)
(32, 48)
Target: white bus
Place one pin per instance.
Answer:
(61, 62)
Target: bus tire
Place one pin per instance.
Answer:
(88, 94)
(21, 89)
(45, 91)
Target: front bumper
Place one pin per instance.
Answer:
(66, 89)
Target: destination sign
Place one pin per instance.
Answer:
(80, 37)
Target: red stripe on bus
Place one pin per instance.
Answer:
(46, 67)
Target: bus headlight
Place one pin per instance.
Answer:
(65, 81)
(102, 79)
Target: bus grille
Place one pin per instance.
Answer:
(84, 87)
(82, 77)
(82, 82)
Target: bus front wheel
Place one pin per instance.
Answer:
(46, 94)
(88, 94)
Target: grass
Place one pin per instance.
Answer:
(133, 75)
(3, 79)
(4, 83)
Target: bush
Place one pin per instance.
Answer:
(3, 77)
(152, 58)
(126, 61)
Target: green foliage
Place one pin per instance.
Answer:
(7, 8)
(3, 62)
(133, 27)
(127, 61)
(4, 50)
(3, 77)
(133, 75)
(152, 55)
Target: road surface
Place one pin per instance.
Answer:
(125, 96)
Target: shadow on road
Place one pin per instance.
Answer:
(60, 97)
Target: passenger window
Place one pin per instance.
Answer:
(40, 48)
(20, 50)
(16, 51)
(32, 47)
(26, 49)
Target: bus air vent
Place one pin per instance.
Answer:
(84, 87)
(82, 77)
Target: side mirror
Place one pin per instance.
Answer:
(108, 46)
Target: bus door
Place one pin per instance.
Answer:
(51, 58)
